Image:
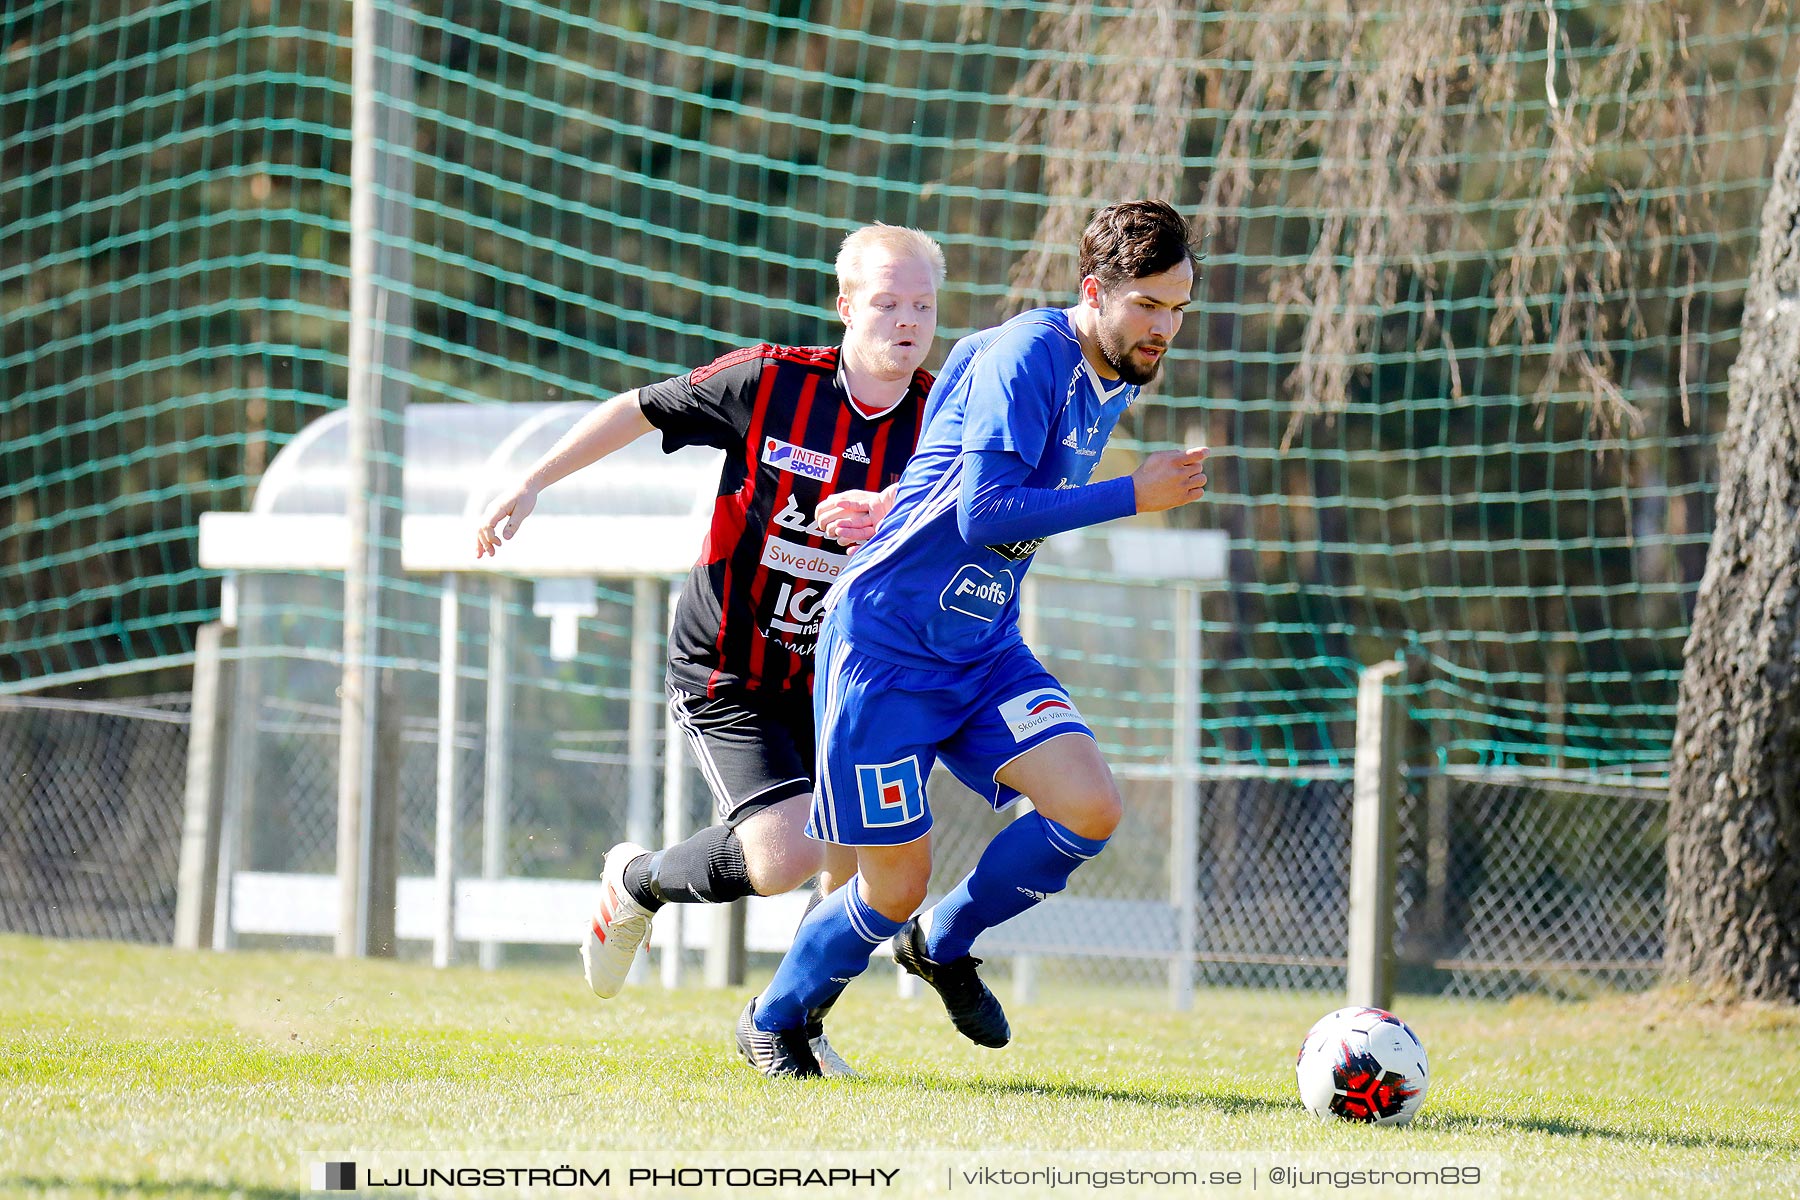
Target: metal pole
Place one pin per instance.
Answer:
(496, 779)
(646, 699)
(241, 755)
(1184, 798)
(726, 957)
(646, 703)
(380, 318)
(209, 731)
(1373, 841)
(675, 804)
(443, 941)
(383, 837)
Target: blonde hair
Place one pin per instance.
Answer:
(898, 241)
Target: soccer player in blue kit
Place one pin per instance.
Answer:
(920, 656)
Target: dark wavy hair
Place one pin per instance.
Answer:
(1134, 239)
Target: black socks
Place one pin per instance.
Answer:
(708, 868)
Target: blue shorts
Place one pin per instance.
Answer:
(881, 726)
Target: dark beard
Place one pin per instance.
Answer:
(1119, 359)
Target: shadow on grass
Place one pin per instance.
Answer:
(1219, 1101)
(1242, 1102)
(36, 1184)
(1566, 1127)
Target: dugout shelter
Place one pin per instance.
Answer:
(636, 523)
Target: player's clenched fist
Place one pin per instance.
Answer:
(851, 516)
(1170, 478)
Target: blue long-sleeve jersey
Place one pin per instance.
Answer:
(1016, 415)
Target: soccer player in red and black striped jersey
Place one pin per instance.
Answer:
(816, 439)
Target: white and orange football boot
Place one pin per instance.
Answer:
(618, 927)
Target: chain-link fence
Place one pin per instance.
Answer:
(557, 828)
(566, 769)
(1506, 883)
(1516, 883)
(90, 816)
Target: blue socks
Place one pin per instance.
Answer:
(1028, 861)
(831, 947)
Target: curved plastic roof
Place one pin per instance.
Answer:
(638, 513)
(458, 455)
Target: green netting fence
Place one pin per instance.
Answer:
(1472, 279)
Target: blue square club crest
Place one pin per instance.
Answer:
(892, 794)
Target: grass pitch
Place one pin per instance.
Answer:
(136, 1070)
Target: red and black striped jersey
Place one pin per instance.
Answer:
(793, 435)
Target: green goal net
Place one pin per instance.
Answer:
(1471, 284)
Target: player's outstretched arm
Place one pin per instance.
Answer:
(616, 423)
(995, 506)
(1170, 478)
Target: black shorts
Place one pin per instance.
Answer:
(755, 750)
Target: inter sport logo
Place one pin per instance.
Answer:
(798, 460)
(1038, 709)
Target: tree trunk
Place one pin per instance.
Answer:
(1734, 802)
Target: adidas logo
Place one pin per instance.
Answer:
(1070, 441)
(856, 453)
(1034, 895)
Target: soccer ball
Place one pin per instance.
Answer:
(1362, 1064)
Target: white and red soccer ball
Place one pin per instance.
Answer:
(1362, 1064)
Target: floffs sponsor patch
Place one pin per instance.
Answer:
(976, 593)
(1038, 709)
(798, 460)
(807, 562)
